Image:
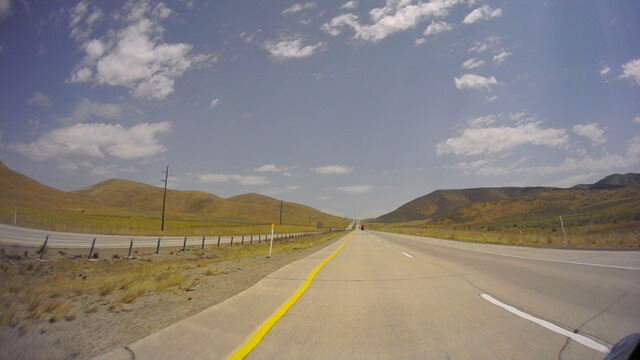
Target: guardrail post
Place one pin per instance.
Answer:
(158, 247)
(44, 247)
(259, 239)
(242, 240)
(251, 243)
(203, 243)
(218, 240)
(93, 245)
(184, 245)
(232, 241)
(130, 247)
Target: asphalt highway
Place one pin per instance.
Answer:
(392, 296)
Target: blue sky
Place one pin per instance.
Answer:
(352, 107)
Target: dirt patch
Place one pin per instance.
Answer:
(71, 308)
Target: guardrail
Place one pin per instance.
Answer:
(94, 242)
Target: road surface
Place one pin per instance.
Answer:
(393, 296)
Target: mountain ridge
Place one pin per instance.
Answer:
(441, 204)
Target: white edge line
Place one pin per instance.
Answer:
(405, 254)
(581, 339)
(387, 245)
(554, 260)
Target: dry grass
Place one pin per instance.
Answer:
(64, 287)
(615, 236)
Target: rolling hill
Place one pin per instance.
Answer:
(442, 203)
(129, 199)
(484, 204)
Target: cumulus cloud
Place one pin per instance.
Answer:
(271, 168)
(82, 18)
(39, 99)
(96, 141)
(395, 16)
(485, 12)
(500, 58)
(356, 189)
(437, 27)
(332, 169)
(349, 5)
(5, 9)
(631, 71)
(489, 140)
(292, 48)
(135, 56)
(592, 132)
(299, 7)
(472, 63)
(637, 120)
(214, 103)
(281, 190)
(473, 81)
(240, 179)
(86, 109)
(490, 99)
(483, 121)
(604, 71)
(482, 46)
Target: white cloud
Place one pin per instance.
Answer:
(500, 58)
(5, 9)
(356, 189)
(490, 99)
(485, 12)
(83, 16)
(477, 141)
(135, 56)
(240, 179)
(332, 169)
(482, 46)
(437, 27)
(473, 81)
(637, 120)
(420, 41)
(349, 5)
(271, 168)
(83, 141)
(592, 132)
(299, 7)
(214, 103)
(631, 71)
(395, 16)
(472, 63)
(39, 99)
(282, 190)
(483, 121)
(604, 71)
(87, 109)
(633, 149)
(292, 49)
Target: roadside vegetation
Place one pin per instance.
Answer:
(67, 286)
(135, 224)
(615, 229)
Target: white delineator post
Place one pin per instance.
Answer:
(566, 241)
(271, 243)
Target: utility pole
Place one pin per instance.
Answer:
(281, 212)
(164, 198)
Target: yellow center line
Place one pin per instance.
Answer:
(257, 337)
